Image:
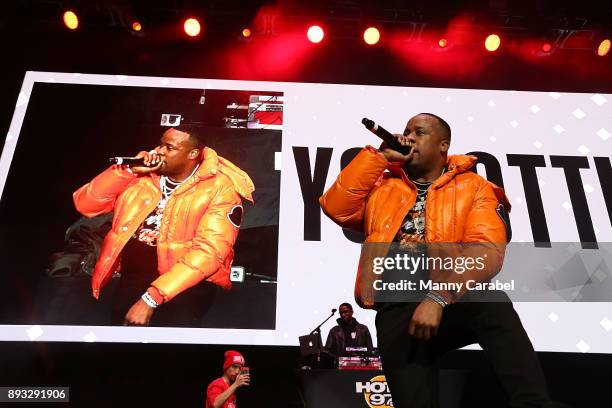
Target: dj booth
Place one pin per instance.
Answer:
(322, 388)
(358, 380)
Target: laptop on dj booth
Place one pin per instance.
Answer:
(310, 344)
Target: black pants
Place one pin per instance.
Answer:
(410, 364)
(187, 309)
(139, 269)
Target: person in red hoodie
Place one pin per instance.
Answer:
(221, 393)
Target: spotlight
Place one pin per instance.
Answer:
(315, 34)
(442, 43)
(371, 35)
(71, 20)
(246, 32)
(136, 26)
(192, 27)
(492, 42)
(546, 47)
(604, 47)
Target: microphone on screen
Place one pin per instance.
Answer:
(128, 161)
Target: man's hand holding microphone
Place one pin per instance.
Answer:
(142, 163)
(395, 148)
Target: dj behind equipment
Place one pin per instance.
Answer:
(348, 345)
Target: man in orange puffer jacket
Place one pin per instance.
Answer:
(426, 197)
(181, 210)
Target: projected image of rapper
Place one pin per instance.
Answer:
(175, 223)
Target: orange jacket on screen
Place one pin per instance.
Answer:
(196, 234)
(461, 206)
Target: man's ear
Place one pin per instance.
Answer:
(194, 154)
(444, 145)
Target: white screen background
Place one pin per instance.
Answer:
(315, 276)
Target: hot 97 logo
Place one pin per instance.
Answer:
(376, 392)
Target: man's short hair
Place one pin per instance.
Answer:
(347, 305)
(195, 136)
(446, 130)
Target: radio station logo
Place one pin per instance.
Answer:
(376, 392)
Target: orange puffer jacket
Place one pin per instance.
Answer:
(196, 235)
(461, 207)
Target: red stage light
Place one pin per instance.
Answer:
(546, 47)
(442, 42)
(246, 32)
(604, 47)
(492, 42)
(136, 26)
(315, 34)
(371, 35)
(71, 20)
(192, 27)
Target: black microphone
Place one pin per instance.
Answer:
(334, 311)
(384, 134)
(128, 161)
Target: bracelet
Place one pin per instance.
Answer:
(436, 300)
(149, 300)
(436, 297)
(156, 295)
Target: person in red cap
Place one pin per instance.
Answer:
(221, 393)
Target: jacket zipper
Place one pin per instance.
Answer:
(124, 241)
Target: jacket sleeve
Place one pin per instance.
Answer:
(484, 223)
(99, 195)
(330, 343)
(484, 237)
(344, 202)
(210, 248)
